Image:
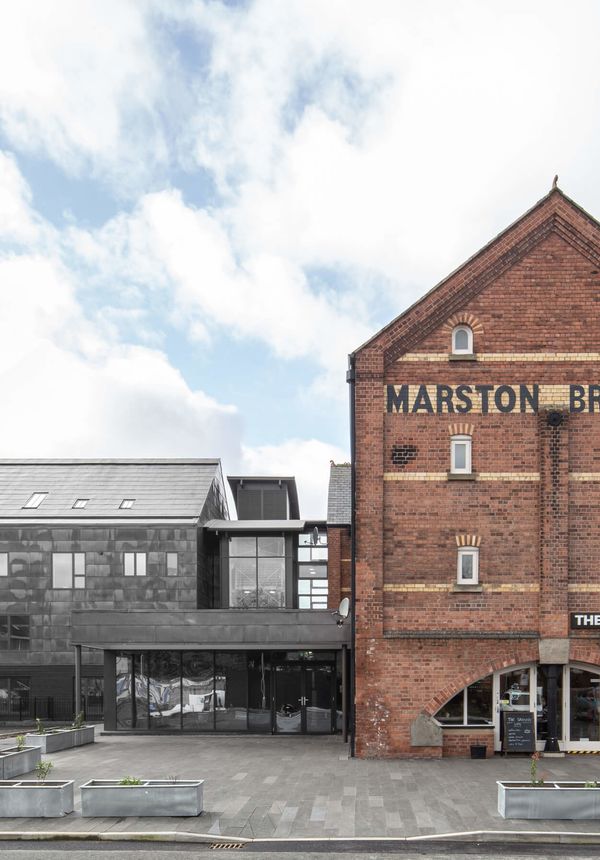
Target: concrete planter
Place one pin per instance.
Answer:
(61, 739)
(14, 762)
(105, 798)
(35, 799)
(551, 800)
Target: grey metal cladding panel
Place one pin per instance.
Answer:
(159, 488)
(339, 499)
(208, 629)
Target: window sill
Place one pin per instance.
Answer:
(462, 356)
(462, 476)
(464, 587)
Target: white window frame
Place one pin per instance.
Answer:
(469, 349)
(172, 561)
(35, 500)
(468, 461)
(3, 564)
(463, 551)
(78, 570)
(137, 563)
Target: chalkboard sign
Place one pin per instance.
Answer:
(518, 734)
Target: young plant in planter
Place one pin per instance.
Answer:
(540, 798)
(42, 769)
(36, 798)
(61, 739)
(141, 797)
(19, 759)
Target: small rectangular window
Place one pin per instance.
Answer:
(14, 632)
(68, 570)
(468, 566)
(134, 563)
(3, 564)
(460, 455)
(35, 500)
(171, 564)
(80, 503)
(127, 503)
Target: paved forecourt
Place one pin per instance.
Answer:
(294, 787)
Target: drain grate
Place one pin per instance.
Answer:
(227, 846)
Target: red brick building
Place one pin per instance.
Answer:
(477, 500)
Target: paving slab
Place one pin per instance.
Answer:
(299, 787)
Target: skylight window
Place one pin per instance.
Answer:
(80, 503)
(35, 500)
(127, 503)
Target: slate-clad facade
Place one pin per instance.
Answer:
(477, 443)
(171, 500)
(131, 576)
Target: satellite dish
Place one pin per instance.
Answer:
(342, 612)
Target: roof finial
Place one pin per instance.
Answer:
(555, 182)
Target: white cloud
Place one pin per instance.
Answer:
(166, 244)
(67, 391)
(19, 223)
(81, 82)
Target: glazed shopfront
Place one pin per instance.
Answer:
(264, 692)
(260, 671)
(528, 688)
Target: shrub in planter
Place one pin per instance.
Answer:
(539, 798)
(54, 740)
(15, 761)
(141, 797)
(35, 798)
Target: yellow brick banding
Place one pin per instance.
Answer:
(505, 356)
(502, 587)
(582, 587)
(584, 476)
(479, 476)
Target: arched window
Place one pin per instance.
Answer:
(462, 340)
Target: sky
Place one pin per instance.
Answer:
(206, 205)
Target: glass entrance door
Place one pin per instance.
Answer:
(584, 708)
(288, 698)
(318, 698)
(304, 698)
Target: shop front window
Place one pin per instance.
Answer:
(585, 705)
(514, 690)
(472, 706)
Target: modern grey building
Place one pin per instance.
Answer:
(184, 619)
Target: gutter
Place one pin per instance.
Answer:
(351, 380)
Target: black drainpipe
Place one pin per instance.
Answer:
(351, 380)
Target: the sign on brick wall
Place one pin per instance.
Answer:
(427, 399)
(584, 620)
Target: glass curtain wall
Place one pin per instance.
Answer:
(227, 691)
(257, 572)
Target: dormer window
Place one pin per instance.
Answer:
(80, 503)
(35, 500)
(462, 340)
(127, 503)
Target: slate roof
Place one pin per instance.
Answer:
(339, 500)
(161, 488)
